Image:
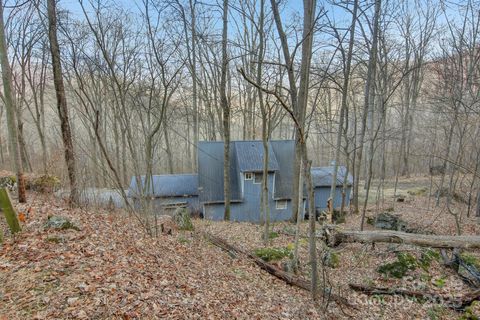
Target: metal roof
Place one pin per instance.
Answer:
(322, 176)
(210, 168)
(285, 154)
(171, 185)
(250, 156)
(245, 156)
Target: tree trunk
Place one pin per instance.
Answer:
(344, 106)
(226, 114)
(9, 211)
(433, 241)
(10, 110)
(369, 97)
(265, 125)
(62, 102)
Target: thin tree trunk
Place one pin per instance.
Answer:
(368, 100)
(226, 114)
(343, 107)
(10, 111)
(168, 150)
(265, 125)
(62, 102)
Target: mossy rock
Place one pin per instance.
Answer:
(273, 254)
(420, 191)
(398, 269)
(182, 219)
(60, 223)
(471, 312)
(388, 221)
(45, 183)
(9, 182)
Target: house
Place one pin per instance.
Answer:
(246, 171)
(168, 191)
(322, 183)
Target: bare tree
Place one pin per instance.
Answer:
(226, 113)
(8, 95)
(62, 102)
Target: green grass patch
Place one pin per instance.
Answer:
(427, 257)
(440, 282)
(273, 253)
(470, 313)
(436, 312)
(331, 259)
(272, 235)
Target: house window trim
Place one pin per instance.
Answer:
(248, 175)
(283, 207)
(255, 175)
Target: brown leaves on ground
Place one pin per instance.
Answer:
(110, 269)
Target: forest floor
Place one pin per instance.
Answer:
(111, 269)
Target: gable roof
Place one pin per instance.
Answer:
(250, 156)
(171, 185)
(322, 176)
(245, 156)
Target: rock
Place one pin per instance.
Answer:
(72, 301)
(9, 182)
(181, 216)
(60, 223)
(388, 221)
(45, 183)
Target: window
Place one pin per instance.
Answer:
(281, 204)
(248, 176)
(258, 178)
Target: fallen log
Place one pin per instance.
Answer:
(336, 237)
(458, 304)
(466, 271)
(289, 278)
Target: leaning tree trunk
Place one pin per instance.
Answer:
(343, 107)
(10, 110)
(369, 103)
(62, 101)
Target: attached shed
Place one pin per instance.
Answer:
(169, 192)
(322, 183)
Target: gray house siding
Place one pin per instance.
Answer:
(168, 192)
(323, 193)
(168, 205)
(322, 181)
(249, 208)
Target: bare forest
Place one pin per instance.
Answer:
(98, 95)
